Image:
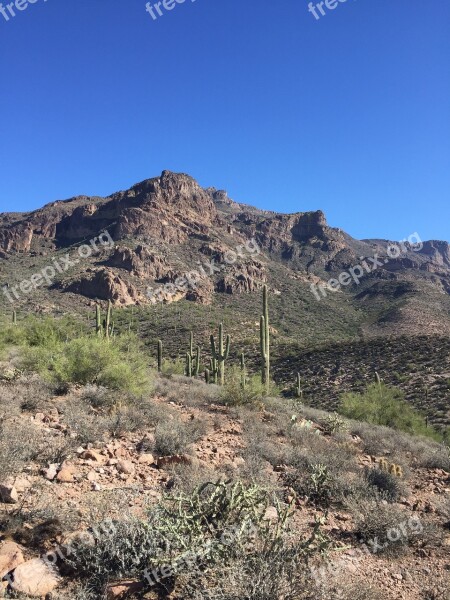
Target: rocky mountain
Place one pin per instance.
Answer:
(165, 227)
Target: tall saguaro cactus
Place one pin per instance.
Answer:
(243, 372)
(14, 318)
(298, 387)
(104, 328)
(192, 360)
(220, 353)
(264, 336)
(107, 324)
(160, 352)
(98, 320)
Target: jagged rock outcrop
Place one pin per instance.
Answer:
(139, 262)
(243, 278)
(104, 284)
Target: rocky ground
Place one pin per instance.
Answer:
(47, 501)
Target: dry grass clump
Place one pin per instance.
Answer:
(386, 529)
(175, 436)
(323, 471)
(28, 393)
(95, 412)
(390, 487)
(186, 390)
(277, 575)
(22, 442)
(436, 456)
(262, 447)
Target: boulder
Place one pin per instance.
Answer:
(10, 557)
(35, 578)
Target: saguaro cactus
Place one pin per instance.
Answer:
(104, 328)
(192, 360)
(14, 317)
(298, 387)
(243, 373)
(264, 336)
(220, 353)
(98, 320)
(107, 323)
(160, 351)
(213, 368)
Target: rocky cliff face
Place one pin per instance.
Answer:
(168, 226)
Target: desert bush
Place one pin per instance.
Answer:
(385, 528)
(22, 442)
(97, 396)
(275, 575)
(390, 486)
(175, 436)
(117, 364)
(115, 550)
(199, 524)
(325, 474)
(186, 390)
(88, 425)
(359, 591)
(384, 405)
(176, 366)
(235, 394)
(27, 393)
(436, 457)
(260, 448)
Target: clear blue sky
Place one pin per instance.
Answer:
(349, 113)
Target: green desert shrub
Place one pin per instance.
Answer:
(384, 405)
(38, 332)
(116, 364)
(234, 393)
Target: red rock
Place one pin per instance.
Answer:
(121, 589)
(10, 557)
(92, 455)
(125, 466)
